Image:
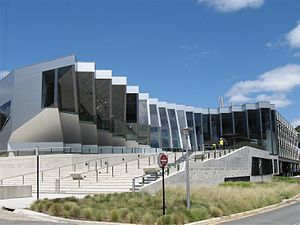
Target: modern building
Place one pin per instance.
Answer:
(66, 103)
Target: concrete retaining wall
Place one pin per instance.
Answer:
(214, 171)
(7, 192)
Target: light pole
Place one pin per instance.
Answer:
(186, 132)
(37, 173)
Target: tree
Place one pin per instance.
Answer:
(298, 128)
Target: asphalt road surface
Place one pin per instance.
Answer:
(285, 216)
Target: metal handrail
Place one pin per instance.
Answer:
(54, 168)
(117, 164)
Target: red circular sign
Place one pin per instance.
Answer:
(163, 160)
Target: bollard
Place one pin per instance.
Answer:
(149, 160)
(153, 159)
(138, 163)
(106, 167)
(224, 152)
(178, 167)
(202, 157)
(57, 186)
(175, 158)
(42, 174)
(79, 182)
(101, 162)
(214, 155)
(23, 180)
(126, 168)
(220, 154)
(112, 171)
(59, 172)
(96, 166)
(133, 185)
(97, 175)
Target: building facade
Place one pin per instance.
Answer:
(66, 103)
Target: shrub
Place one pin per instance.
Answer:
(87, 213)
(215, 211)
(131, 218)
(148, 219)
(114, 215)
(164, 220)
(56, 209)
(68, 205)
(75, 212)
(97, 215)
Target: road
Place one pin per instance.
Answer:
(288, 215)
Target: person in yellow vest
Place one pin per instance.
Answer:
(214, 146)
(221, 143)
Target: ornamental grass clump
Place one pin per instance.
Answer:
(146, 208)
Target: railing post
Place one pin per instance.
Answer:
(42, 173)
(57, 186)
(59, 172)
(79, 182)
(106, 167)
(153, 159)
(126, 168)
(178, 167)
(133, 185)
(97, 175)
(51, 151)
(175, 158)
(149, 160)
(214, 155)
(23, 180)
(138, 163)
(112, 171)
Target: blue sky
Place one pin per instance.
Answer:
(180, 51)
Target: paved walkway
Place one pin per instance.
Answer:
(22, 203)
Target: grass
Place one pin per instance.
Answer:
(144, 208)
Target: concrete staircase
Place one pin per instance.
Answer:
(97, 176)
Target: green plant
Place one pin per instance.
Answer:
(215, 211)
(75, 212)
(131, 218)
(114, 215)
(56, 209)
(148, 219)
(87, 213)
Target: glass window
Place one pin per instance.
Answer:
(206, 129)
(240, 123)
(154, 116)
(174, 128)
(103, 103)
(266, 130)
(48, 88)
(5, 111)
(227, 124)
(254, 124)
(143, 112)
(190, 123)
(65, 96)
(85, 94)
(118, 109)
(198, 125)
(131, 108)
(215, 127)
(165, 132)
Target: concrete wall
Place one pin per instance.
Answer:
(214, 171)
(7, 192)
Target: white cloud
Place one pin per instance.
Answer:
(293, 37)
(296, 55)
(3, 74)
(271, 86)
(296, 122)
(232, 5)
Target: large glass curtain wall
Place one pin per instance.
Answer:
(191, 124)
(227, 123)
(199, 133)
(182, 125)
(155, 130)
(174, 129)
(103, 103)
(86, 104)
(118, 109)
(240, 123)
(143, 127)
(131, 116)
(215, 127)
(206, 129)
(59, 89)
(165, 130)
(5, 111)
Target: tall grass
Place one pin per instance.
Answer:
(144, 208)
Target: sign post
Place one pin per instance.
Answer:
(163, 162)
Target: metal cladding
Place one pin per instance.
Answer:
(64, 102)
